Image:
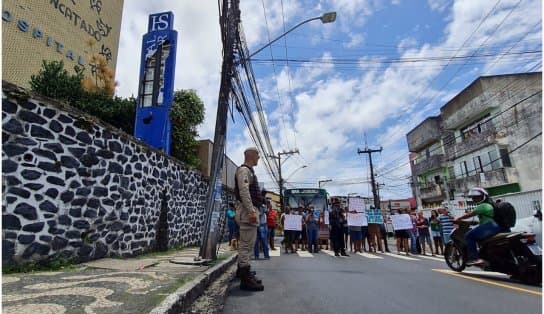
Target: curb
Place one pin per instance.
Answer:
(186, 295)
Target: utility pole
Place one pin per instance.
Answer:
(378, 193)
(372, 181)
(229, 21)
(291, 152)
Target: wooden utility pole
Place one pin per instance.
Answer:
(229, 20)
(372, 180)
(280, 184)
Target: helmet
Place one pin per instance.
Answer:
(478, 195)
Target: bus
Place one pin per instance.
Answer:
(295, 198)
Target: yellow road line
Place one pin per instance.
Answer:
(452, 273)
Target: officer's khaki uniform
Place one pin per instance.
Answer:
(248, 231)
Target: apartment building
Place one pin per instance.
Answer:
(488, 135)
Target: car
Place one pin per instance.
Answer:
(531, 224)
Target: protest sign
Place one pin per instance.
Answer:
(293, 222)
(357, 219)
(356, 204)
(401, 222)
(374, 216)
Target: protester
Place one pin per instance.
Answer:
(364, 233)
(336, 220)
(356, 237)
(374, 235)
(402, 238)
(271, 222)
(345, 227)
(435, 232)
(446, 222)
(231, 212)
(383, 233)
(262, 233)
(413, 233)
(298, 233)
(324, 233)
(288, 235)
(313, 228)
(249, 199)
(304, 232)
(424, 234)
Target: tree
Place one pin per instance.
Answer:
(186, 114)
(54, 81)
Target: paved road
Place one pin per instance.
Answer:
(378, 283)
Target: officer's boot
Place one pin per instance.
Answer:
(247, 282)
(253, 275)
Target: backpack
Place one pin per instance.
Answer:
(504, 214)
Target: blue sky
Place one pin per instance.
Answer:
(355, 84)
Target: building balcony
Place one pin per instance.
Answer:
(432, 191)
(433, 162)
(487, 179)
(472, 143)
(426, 133)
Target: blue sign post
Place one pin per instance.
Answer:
(156, 90)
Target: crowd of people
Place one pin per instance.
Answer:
(427, 233)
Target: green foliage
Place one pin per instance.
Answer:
(51, 264)
(55, 82)
(187, 113)
(117, 111)
(187, 110)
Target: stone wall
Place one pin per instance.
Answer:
(76, 187)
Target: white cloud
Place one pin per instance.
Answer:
(355, 40)
(327, 111)
(438, 5)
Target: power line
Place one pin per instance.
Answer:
(280, 102)
(288, 76)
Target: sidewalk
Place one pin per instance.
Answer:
(153, 283)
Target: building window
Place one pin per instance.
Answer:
(505, 157)
(478, 164)
(494, 159)
(464, 168)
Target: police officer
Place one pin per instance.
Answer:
(336, 221)
(249, 199)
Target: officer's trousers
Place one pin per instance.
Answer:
(248, 236)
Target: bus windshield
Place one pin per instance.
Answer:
(305, 197)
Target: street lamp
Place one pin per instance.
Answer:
(328, 17)
(289, 177)
(322, 181)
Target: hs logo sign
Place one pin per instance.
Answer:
(161, 21)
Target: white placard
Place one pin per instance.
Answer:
(356, 204)
(293, 222)
(327, 217)
(358, 219)
(401, 222)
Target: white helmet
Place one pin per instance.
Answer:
(478, 195)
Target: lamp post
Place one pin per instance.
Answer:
(328, 17)
(322, 181)
(289, 177)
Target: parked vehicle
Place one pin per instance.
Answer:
(531, 224)
(513, 253)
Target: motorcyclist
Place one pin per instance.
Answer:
(487, 226)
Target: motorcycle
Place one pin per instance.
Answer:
(514, 253)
